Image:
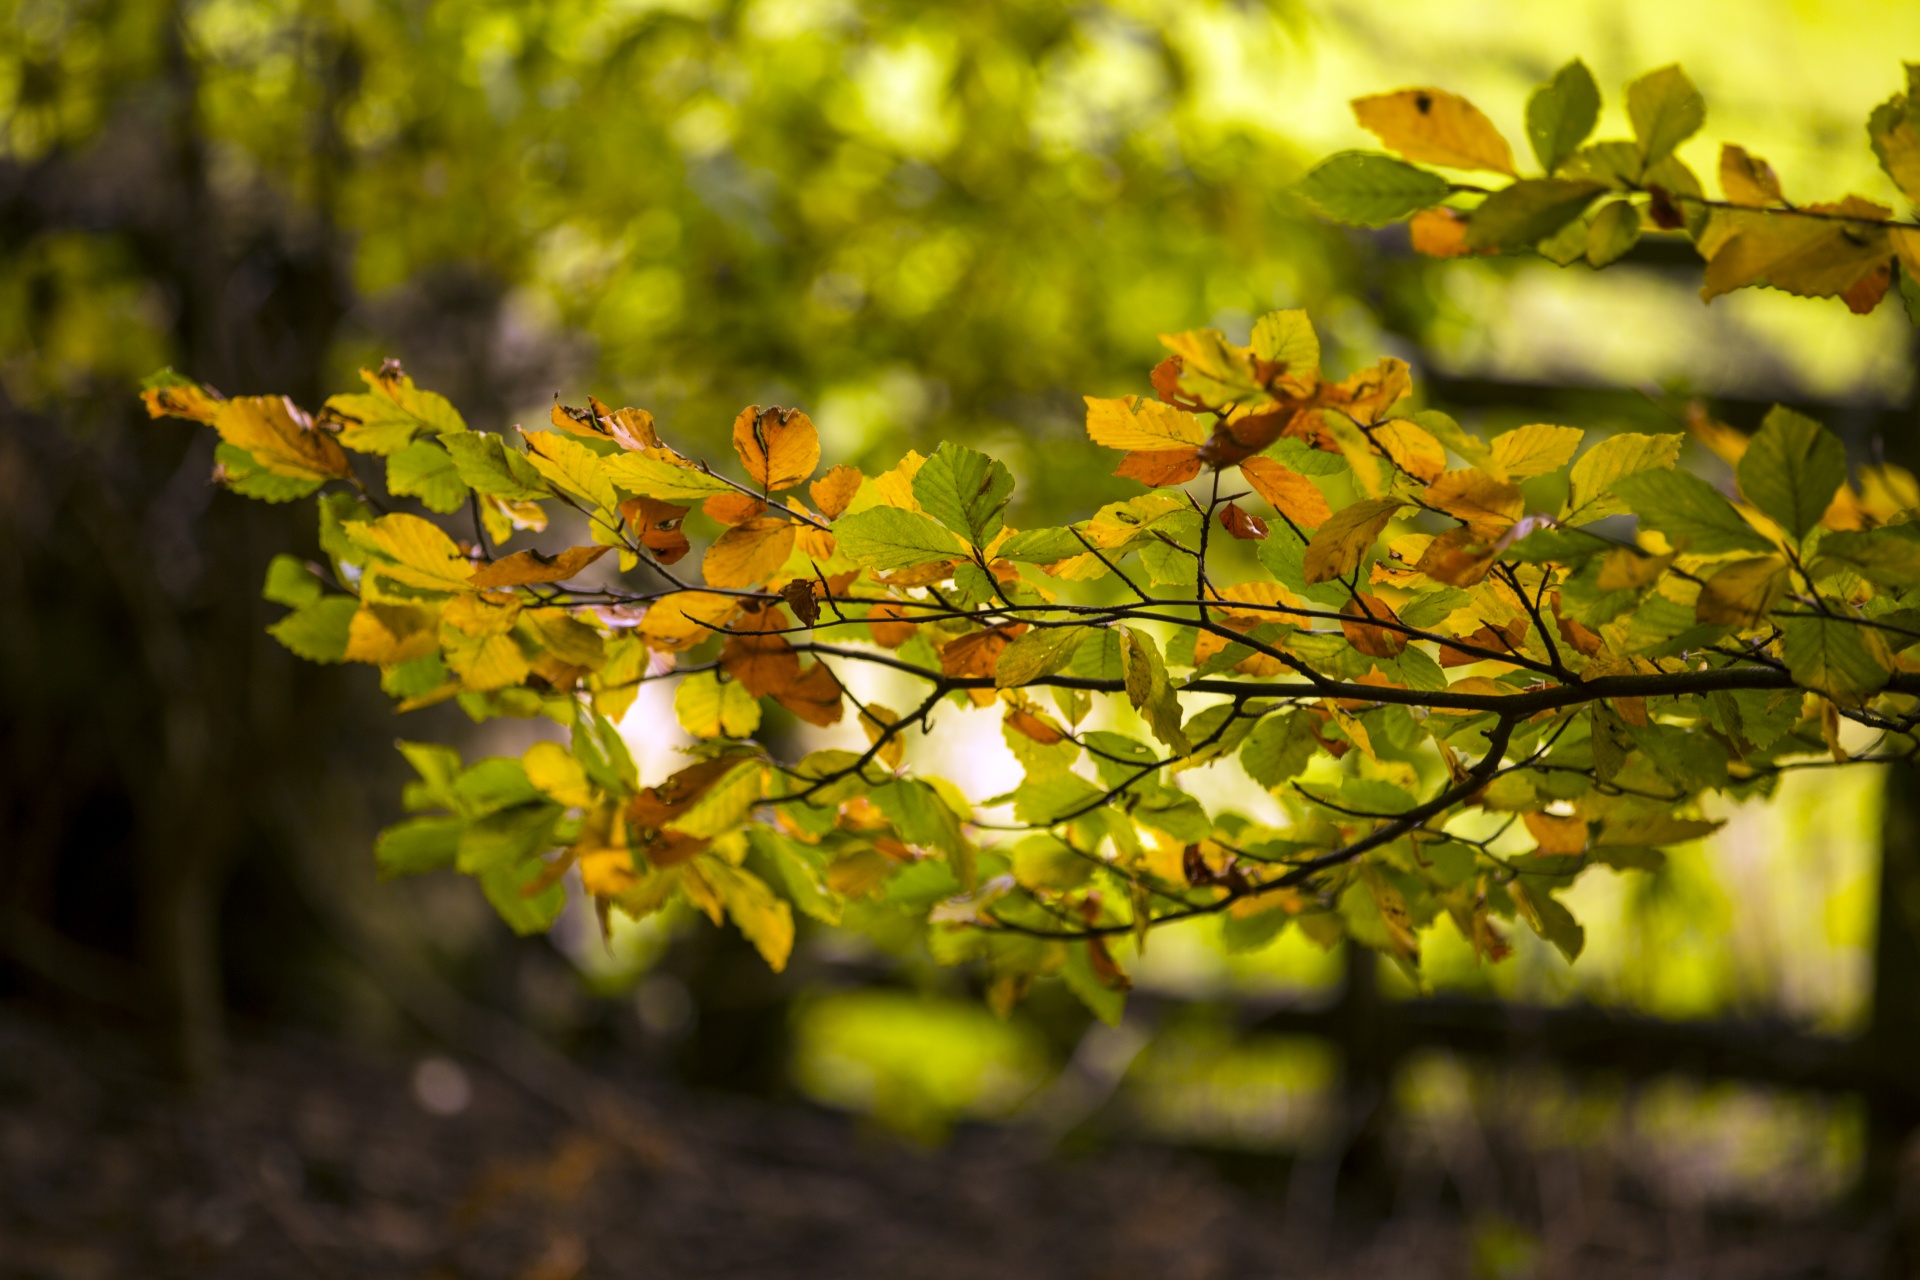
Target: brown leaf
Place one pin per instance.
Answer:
(800, 598)
(1503, 640)
(1374, 641)
(1166, 381)
(976, 654)
(1477, 498)
(657, 525)
(1287, 491)
(1158, 468)
(656, 806)
(762, 660)
(834, 490)
(1459, 557)
(281, 437)
(887, 622)
(778, 447)
(523, 567)
(1247, 528)
(1240, 438)
(814, 696)
(1866, 292)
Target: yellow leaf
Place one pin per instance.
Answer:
(281, 438)
(552, 769)
(748, 554)
(1812, 257)
(1372, 474)
(420, 554)
(1340, 544)
(778, 447)
(1746, 179)
(763, 919)
(681, 619)
(1212, 370)
(384, 634)
(1629, 569)
(709, 707)
(834, 490)
(1476, 497)
(1432, 126)
(1131, 423)
(1287, 491)
(1263, 596)
(484, 663)
(1536, 449)
(1612, 459)
(895, 487)
(572, 466)
(1412, 448)
(1742, 592)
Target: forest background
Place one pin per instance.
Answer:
(920, 224)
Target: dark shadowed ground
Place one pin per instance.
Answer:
(311, 1160)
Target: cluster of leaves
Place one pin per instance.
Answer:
(1594, 199)
(1461, 669)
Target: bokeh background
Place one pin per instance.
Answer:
(920, 222)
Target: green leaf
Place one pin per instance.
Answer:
(1106, 1003)
(506, 837)
(1890, 556)
(1370, 190)
(1053, 799)
(317, 630)
(964, 490)
(488, 466)
(425, 471)
(666, 481)
(1040, 546)
(762, 919)
(1279, 749)
(417, 845)
(1614, 230)
(1148, 690)
(1519, 216)
(1666, 110)
(1838, 658)
(290, 582)
(246, 477)
(1544, 914)
(1288, 338)
(506, 888)
(567, 464)
(894, 538)
(1038, 652)
(1791, 470)
(1690, 512)
(1561, 113)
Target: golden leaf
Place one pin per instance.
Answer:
(748, 554)
(1432, 126)
(682, 619)
(1159, 468)
(1287, 491)
(281, 437)
(834, 490)
(1412, 448)
(1134, 424)
(1747, 179)
(1535, 450)
(1476, 497)
(1742, 592)
(1556, 835)
(1344, 539)
(523, 567)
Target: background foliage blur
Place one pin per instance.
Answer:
(919, 222)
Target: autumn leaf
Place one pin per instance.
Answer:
(1287, 491)
(733, 507)
(1138, 425)
(1241, 525)
(748, 554)
(778, 447)
(1373, 640)
(1344, 539)
(657, 525)
(1439, 233)
(833, 491)
(1476, 497)
(1412, 448)
(1535, 450)
(888, 624)
(814, 696)
(1160, 468)
(1747, 179)
(1742, 592)
(757, 656)
(1432, 126)
(523, 567)
(280, 437)
(681, 619)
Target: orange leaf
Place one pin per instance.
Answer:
(1504, 640)
(1036, 727)
(1865, 293)
(183, 400)
(733, 508)
(778, 447)
(834, 490)
(1245, 527)
(523, 567)
(814, 696)
(281, 437)
(747, 555)
(1556, 834)
(977, 654)
(1439, 233)
(1158, 468)
(1459, 557)
(1287, 491)
(657, 525)
(1368, 394)
(1375, 642)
